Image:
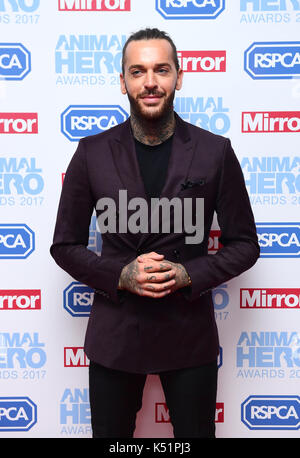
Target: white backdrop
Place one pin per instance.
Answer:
(73, 59)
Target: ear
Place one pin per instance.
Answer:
(122, 84)
(179, 79)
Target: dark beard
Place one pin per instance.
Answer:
(155, 116)
(152, 128)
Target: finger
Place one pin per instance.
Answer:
(159, 287)
(156, 266)
(153, 255)
(157, 277)
(155, 295)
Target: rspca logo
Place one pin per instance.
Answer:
(271, 412)
(277, 60)
(15, 61)
(17, 413)
(209, 113)
(279, 240)
(79, 121)
(190, 9)
(78, 299)
(17, 241)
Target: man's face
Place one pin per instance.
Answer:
(150, 78)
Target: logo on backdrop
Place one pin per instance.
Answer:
(268, 355)
(269, 12)
(202, 61)
(162, 413)
(277, 60)
(88, 60)
(206, 112)
(271, 412)
(22, 6)
(95, 239)
(75, 412)
(190, 9)
(21, 182)
(79, 121)
(94, 5)
(272, 180)
(271, 121)
(19, 12)
(220, 299)
(17, 241)
(17, 413)
(75, 357)
(214, 243)
(18, 123)
(269, 298)
(22, 355)
(20, 299)
(78, 299)
(278, 240)
(15, 61)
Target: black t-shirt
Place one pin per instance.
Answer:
(153, 161)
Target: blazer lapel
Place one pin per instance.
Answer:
(124, 155)
(180, 160)
(127, 165)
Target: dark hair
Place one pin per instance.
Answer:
(150, 34)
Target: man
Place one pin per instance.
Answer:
(153, 309)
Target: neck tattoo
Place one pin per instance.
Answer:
(152, 132)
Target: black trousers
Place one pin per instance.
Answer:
(116, 397)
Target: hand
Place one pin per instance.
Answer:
(181, 276)
(150, 276)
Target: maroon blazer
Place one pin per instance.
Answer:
(140, 334)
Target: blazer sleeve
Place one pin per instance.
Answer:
(71, 234)
(238, 233)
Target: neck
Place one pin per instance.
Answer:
(152, 131)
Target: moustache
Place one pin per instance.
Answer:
(148, 93)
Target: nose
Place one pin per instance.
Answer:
(150, 80)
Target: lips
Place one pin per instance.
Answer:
(151, 98)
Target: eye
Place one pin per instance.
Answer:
(163, 70)
(136, 72)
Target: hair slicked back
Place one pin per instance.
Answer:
(150, 34)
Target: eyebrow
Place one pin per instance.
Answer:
(163, 64)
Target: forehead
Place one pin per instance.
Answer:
(148, 52)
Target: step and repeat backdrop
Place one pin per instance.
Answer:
(59, 81)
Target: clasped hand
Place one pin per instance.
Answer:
(152, 276)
